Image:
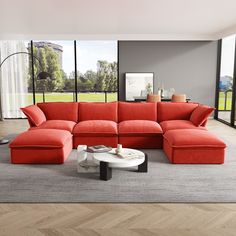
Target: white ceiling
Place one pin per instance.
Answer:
(117, 19)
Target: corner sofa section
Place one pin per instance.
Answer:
(134, 125)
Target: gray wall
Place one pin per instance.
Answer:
(187, 66)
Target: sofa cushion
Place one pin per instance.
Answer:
(49, 138)
(174, 110)
(95, 128)
(34, 114)
(178, 124)
(188, 138)
(98, 111)
(137, 111)
(60, 110)
(57, 124)
(139, 128)
(200, 114)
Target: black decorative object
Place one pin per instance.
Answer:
(144, 166)
(105, 171)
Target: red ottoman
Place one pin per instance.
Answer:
(191, 146)
(41, 146)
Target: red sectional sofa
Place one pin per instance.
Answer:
(134, 125)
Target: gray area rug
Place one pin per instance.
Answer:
(164, 182)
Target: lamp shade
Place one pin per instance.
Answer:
(43, 75)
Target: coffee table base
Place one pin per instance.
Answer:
(106, 171)
(144, 166)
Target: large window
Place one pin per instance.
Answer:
(57, 58)
(97, 70)
(226, 80)
(95, 73)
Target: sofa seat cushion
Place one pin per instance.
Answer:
(139, 128)
(96, 128)
(178, 124)
(57, 124)
(41, 138)
(187, 138)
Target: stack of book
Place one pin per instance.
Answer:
(99, 148)
(129, 155)
(126, 154)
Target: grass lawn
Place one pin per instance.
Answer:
(100, 97)
(68, 97)
(222, 101)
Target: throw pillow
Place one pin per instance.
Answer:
(34, 114)
(200, 114)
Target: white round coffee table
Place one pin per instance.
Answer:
(108, 160)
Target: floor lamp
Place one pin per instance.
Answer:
(41, 76)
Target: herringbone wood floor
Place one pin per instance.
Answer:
(117, 219)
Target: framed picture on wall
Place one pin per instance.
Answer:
(138, 85)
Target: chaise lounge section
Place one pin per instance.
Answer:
(41, 146)
(193, 147)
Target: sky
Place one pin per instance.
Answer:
(88, 53)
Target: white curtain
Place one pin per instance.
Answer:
(13, 79)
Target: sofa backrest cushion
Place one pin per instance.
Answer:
(34, 114)
(60, 110)
(174, 110)
(200, 114)
(98, 111)
(137, 111)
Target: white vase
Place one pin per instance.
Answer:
(119, 149)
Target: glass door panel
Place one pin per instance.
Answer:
(226, 78)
